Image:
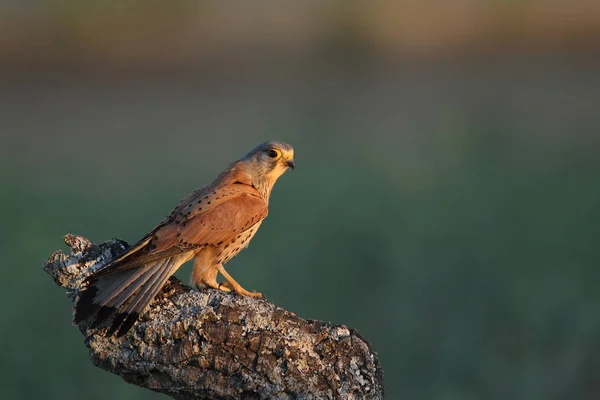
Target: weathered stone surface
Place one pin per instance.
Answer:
(214, 345)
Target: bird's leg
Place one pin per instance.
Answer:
(236, 287)
(206, 277)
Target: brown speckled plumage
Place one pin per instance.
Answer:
(211, 225)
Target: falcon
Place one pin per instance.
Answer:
(211, 225)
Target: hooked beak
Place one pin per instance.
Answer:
(290, 163)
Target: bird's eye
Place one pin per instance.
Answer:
(273, 153)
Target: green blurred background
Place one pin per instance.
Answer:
(446, 202)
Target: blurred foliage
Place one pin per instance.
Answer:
(448, 210)
(474, 278)
(182, 32)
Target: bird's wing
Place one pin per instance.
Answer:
(211, 217)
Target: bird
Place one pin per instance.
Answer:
(211, 225)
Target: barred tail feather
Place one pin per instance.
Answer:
(126, 291)
(137, 303)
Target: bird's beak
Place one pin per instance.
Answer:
(290, 163)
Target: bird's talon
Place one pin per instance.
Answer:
(224, 286)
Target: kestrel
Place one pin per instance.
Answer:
(211, 225)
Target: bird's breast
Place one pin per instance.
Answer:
(229, 250)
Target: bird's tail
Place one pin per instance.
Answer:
(124, 293)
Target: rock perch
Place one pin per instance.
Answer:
(211, 344)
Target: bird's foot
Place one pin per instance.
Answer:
(227, 286)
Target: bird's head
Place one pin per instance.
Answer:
(271, 159)
(267, 162)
